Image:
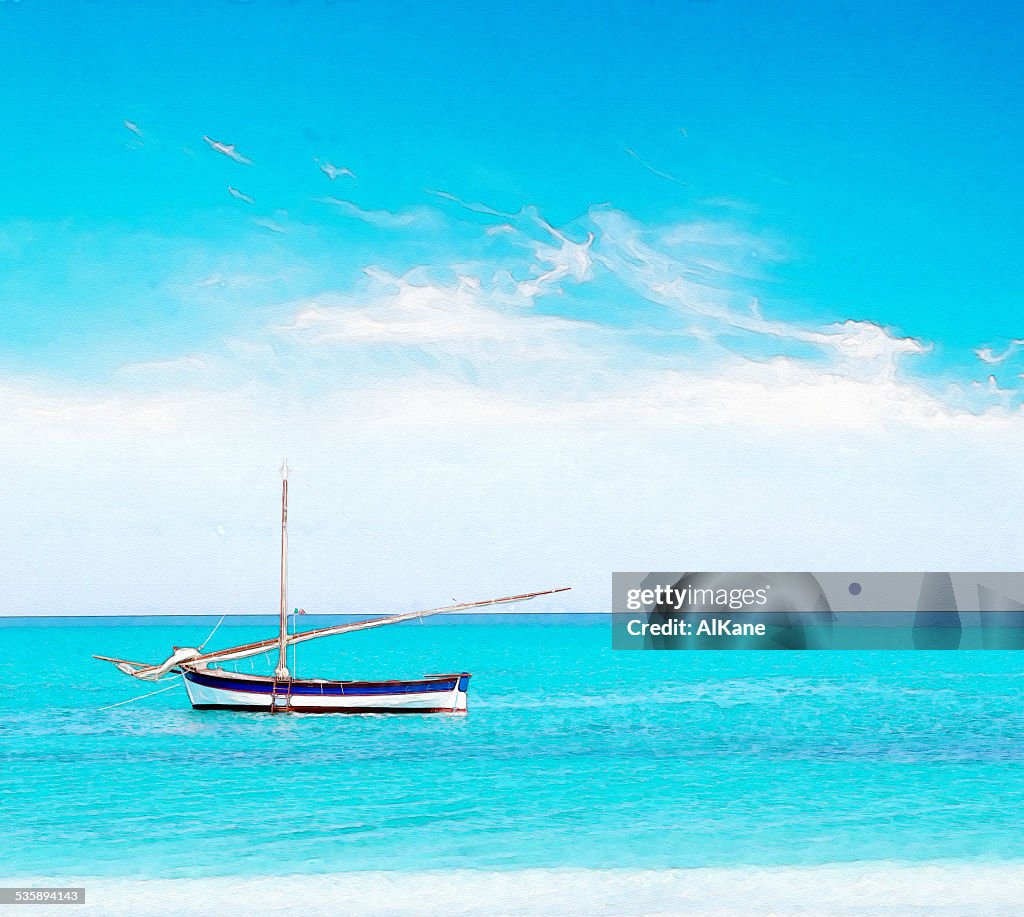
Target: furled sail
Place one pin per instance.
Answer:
(195, 658)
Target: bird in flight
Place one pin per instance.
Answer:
(227, 149)
(270, 225)
(332, 171)
(241, 195)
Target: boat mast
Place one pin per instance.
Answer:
(282, 641)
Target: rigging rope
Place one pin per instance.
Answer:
(140, 697)
(212, 632)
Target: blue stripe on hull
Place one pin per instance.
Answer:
(356, 689)
(247, 708)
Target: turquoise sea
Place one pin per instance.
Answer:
(574, 761)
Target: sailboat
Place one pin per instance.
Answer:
(212, 687)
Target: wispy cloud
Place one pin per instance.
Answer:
(383, 219)
(408, 312)
(644, 259)
(175, 366)
(602, 309)
(443, 391)
(569, 260)
(231, 280)
(270, 225)
(658, 172)
(466, 205)
(478, 322)
(988, 355)
(729, 203)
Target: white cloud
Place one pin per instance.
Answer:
(402, 312)
(181, 364)
(988, 355)
(420, 488)
(479, 325)
(852, 349)
(569, 260)
(443, 426)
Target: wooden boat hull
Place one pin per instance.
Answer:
(219, 690)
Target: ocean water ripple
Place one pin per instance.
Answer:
(573, 757)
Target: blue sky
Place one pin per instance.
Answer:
(879, 140)
(788, 211)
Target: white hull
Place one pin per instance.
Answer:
(219, 690)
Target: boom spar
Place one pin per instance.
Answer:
(194, 658)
